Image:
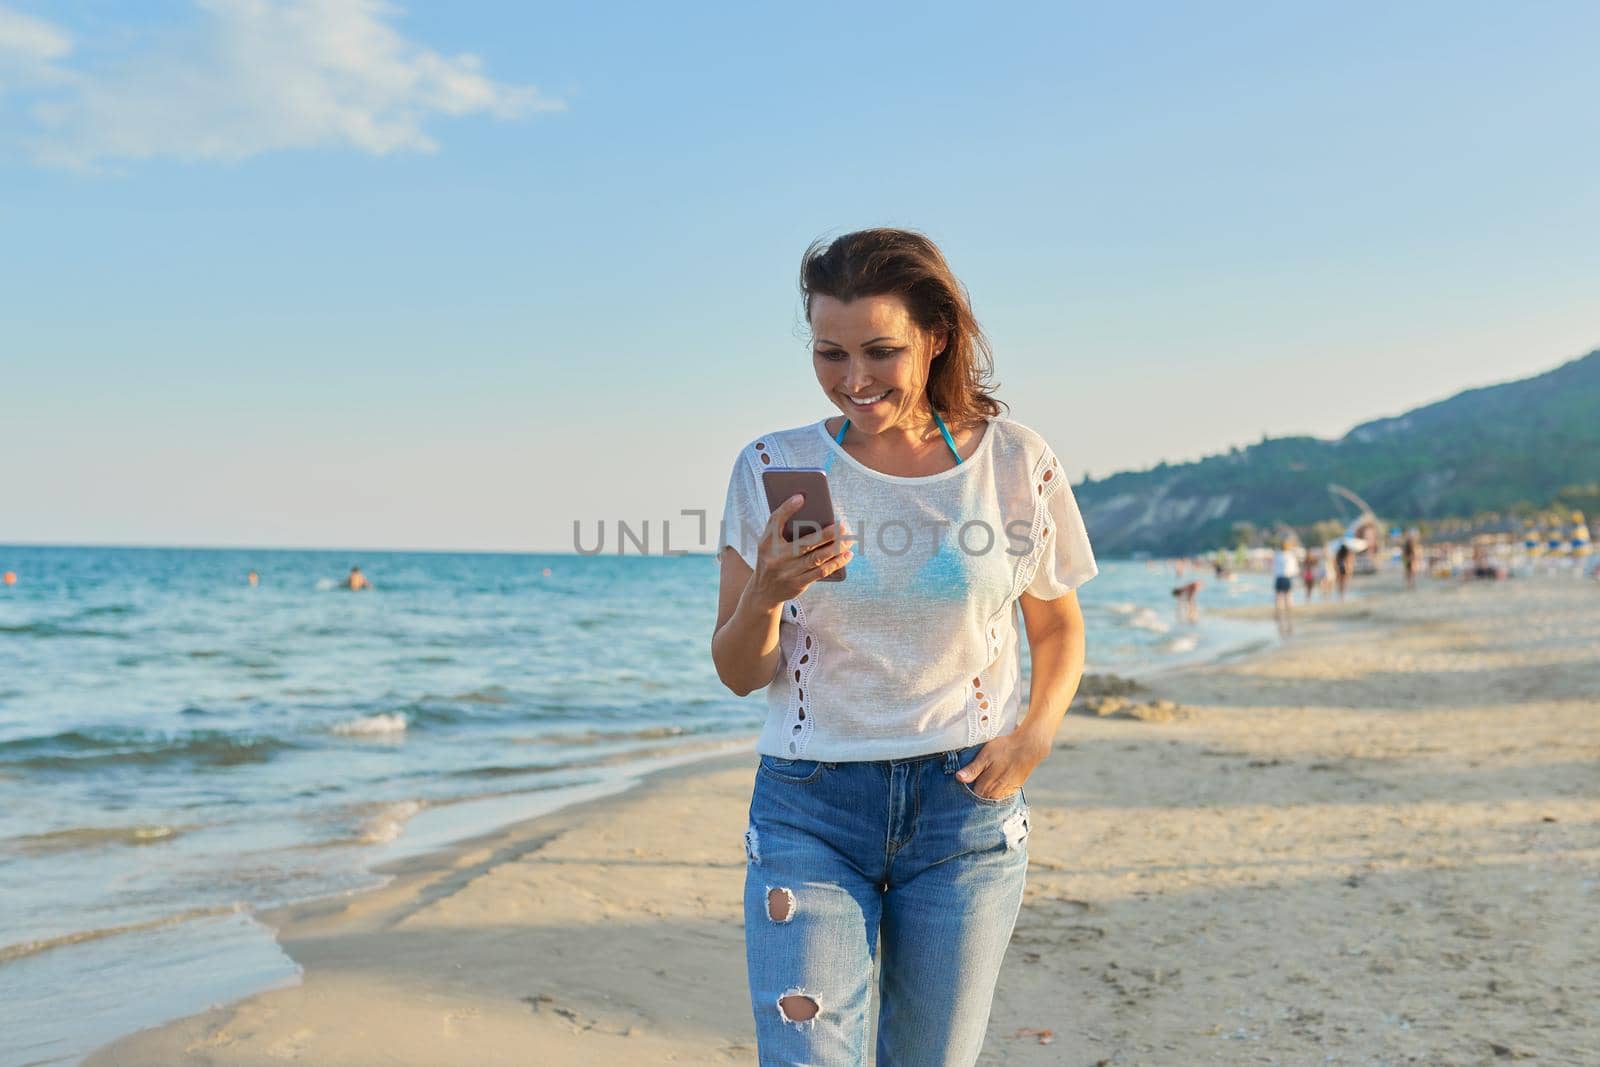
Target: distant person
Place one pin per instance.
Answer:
(254, 579)
(10, 578)
(1344, 561)
(1411, 558)
(1308, 573)
(1285, 565)
(357, 581)
(1183, 602)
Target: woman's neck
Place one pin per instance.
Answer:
(911, 434)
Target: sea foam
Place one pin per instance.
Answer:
(368, 725)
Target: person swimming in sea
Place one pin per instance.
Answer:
(356, 581)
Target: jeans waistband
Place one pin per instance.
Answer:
(952, 759)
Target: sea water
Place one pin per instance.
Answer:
(179, 749)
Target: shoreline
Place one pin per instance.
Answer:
(423, 874)
(600, 893)
(239, 947)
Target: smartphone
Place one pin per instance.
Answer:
(815, 514)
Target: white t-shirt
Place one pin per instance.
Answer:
(1286, 563)
(916, 651)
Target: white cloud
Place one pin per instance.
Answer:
(29, 39)
(250, 76)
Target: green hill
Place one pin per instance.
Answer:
(1486, 449)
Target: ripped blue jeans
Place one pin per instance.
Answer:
(843, 858)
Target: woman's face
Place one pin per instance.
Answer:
(870, 349)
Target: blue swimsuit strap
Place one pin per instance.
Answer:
(839, 437)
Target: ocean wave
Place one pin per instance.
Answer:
(1148, 619)
(1179, 645)
(423, 715)
(367, 725)
(495, 770)
(371, 823)
(594, 737)
(49, 628)
(83, 837)
(106, 609)
(489, 694)
(32, 948)
(386, 824)
(92, 749)
(433, 709)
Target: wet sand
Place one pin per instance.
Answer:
(1376, 843)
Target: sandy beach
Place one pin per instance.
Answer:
(1376, 843)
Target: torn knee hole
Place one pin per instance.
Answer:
(797, 1007)
(780, 904)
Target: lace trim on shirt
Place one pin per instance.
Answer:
(1047, 480)
(982, 720)
(767, 452)
(761, 453)
(802, 661)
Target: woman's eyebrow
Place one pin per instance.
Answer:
(836, 344)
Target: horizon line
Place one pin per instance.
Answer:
(147, 545)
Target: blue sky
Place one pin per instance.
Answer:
(349, 273)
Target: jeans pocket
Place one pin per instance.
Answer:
(793, 771)
(1008, 799)
(966, 757)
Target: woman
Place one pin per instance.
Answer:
(1285, 562)
(888, 807)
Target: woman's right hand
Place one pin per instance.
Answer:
(785, 569)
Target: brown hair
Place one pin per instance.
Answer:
(904, 263)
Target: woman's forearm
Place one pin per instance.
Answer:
(1057, 658)
(746, 649)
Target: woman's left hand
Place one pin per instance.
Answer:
(1002, 766)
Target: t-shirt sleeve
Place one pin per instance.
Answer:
(744, 513)
(1067, 560)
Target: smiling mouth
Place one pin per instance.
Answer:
(867, 402)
